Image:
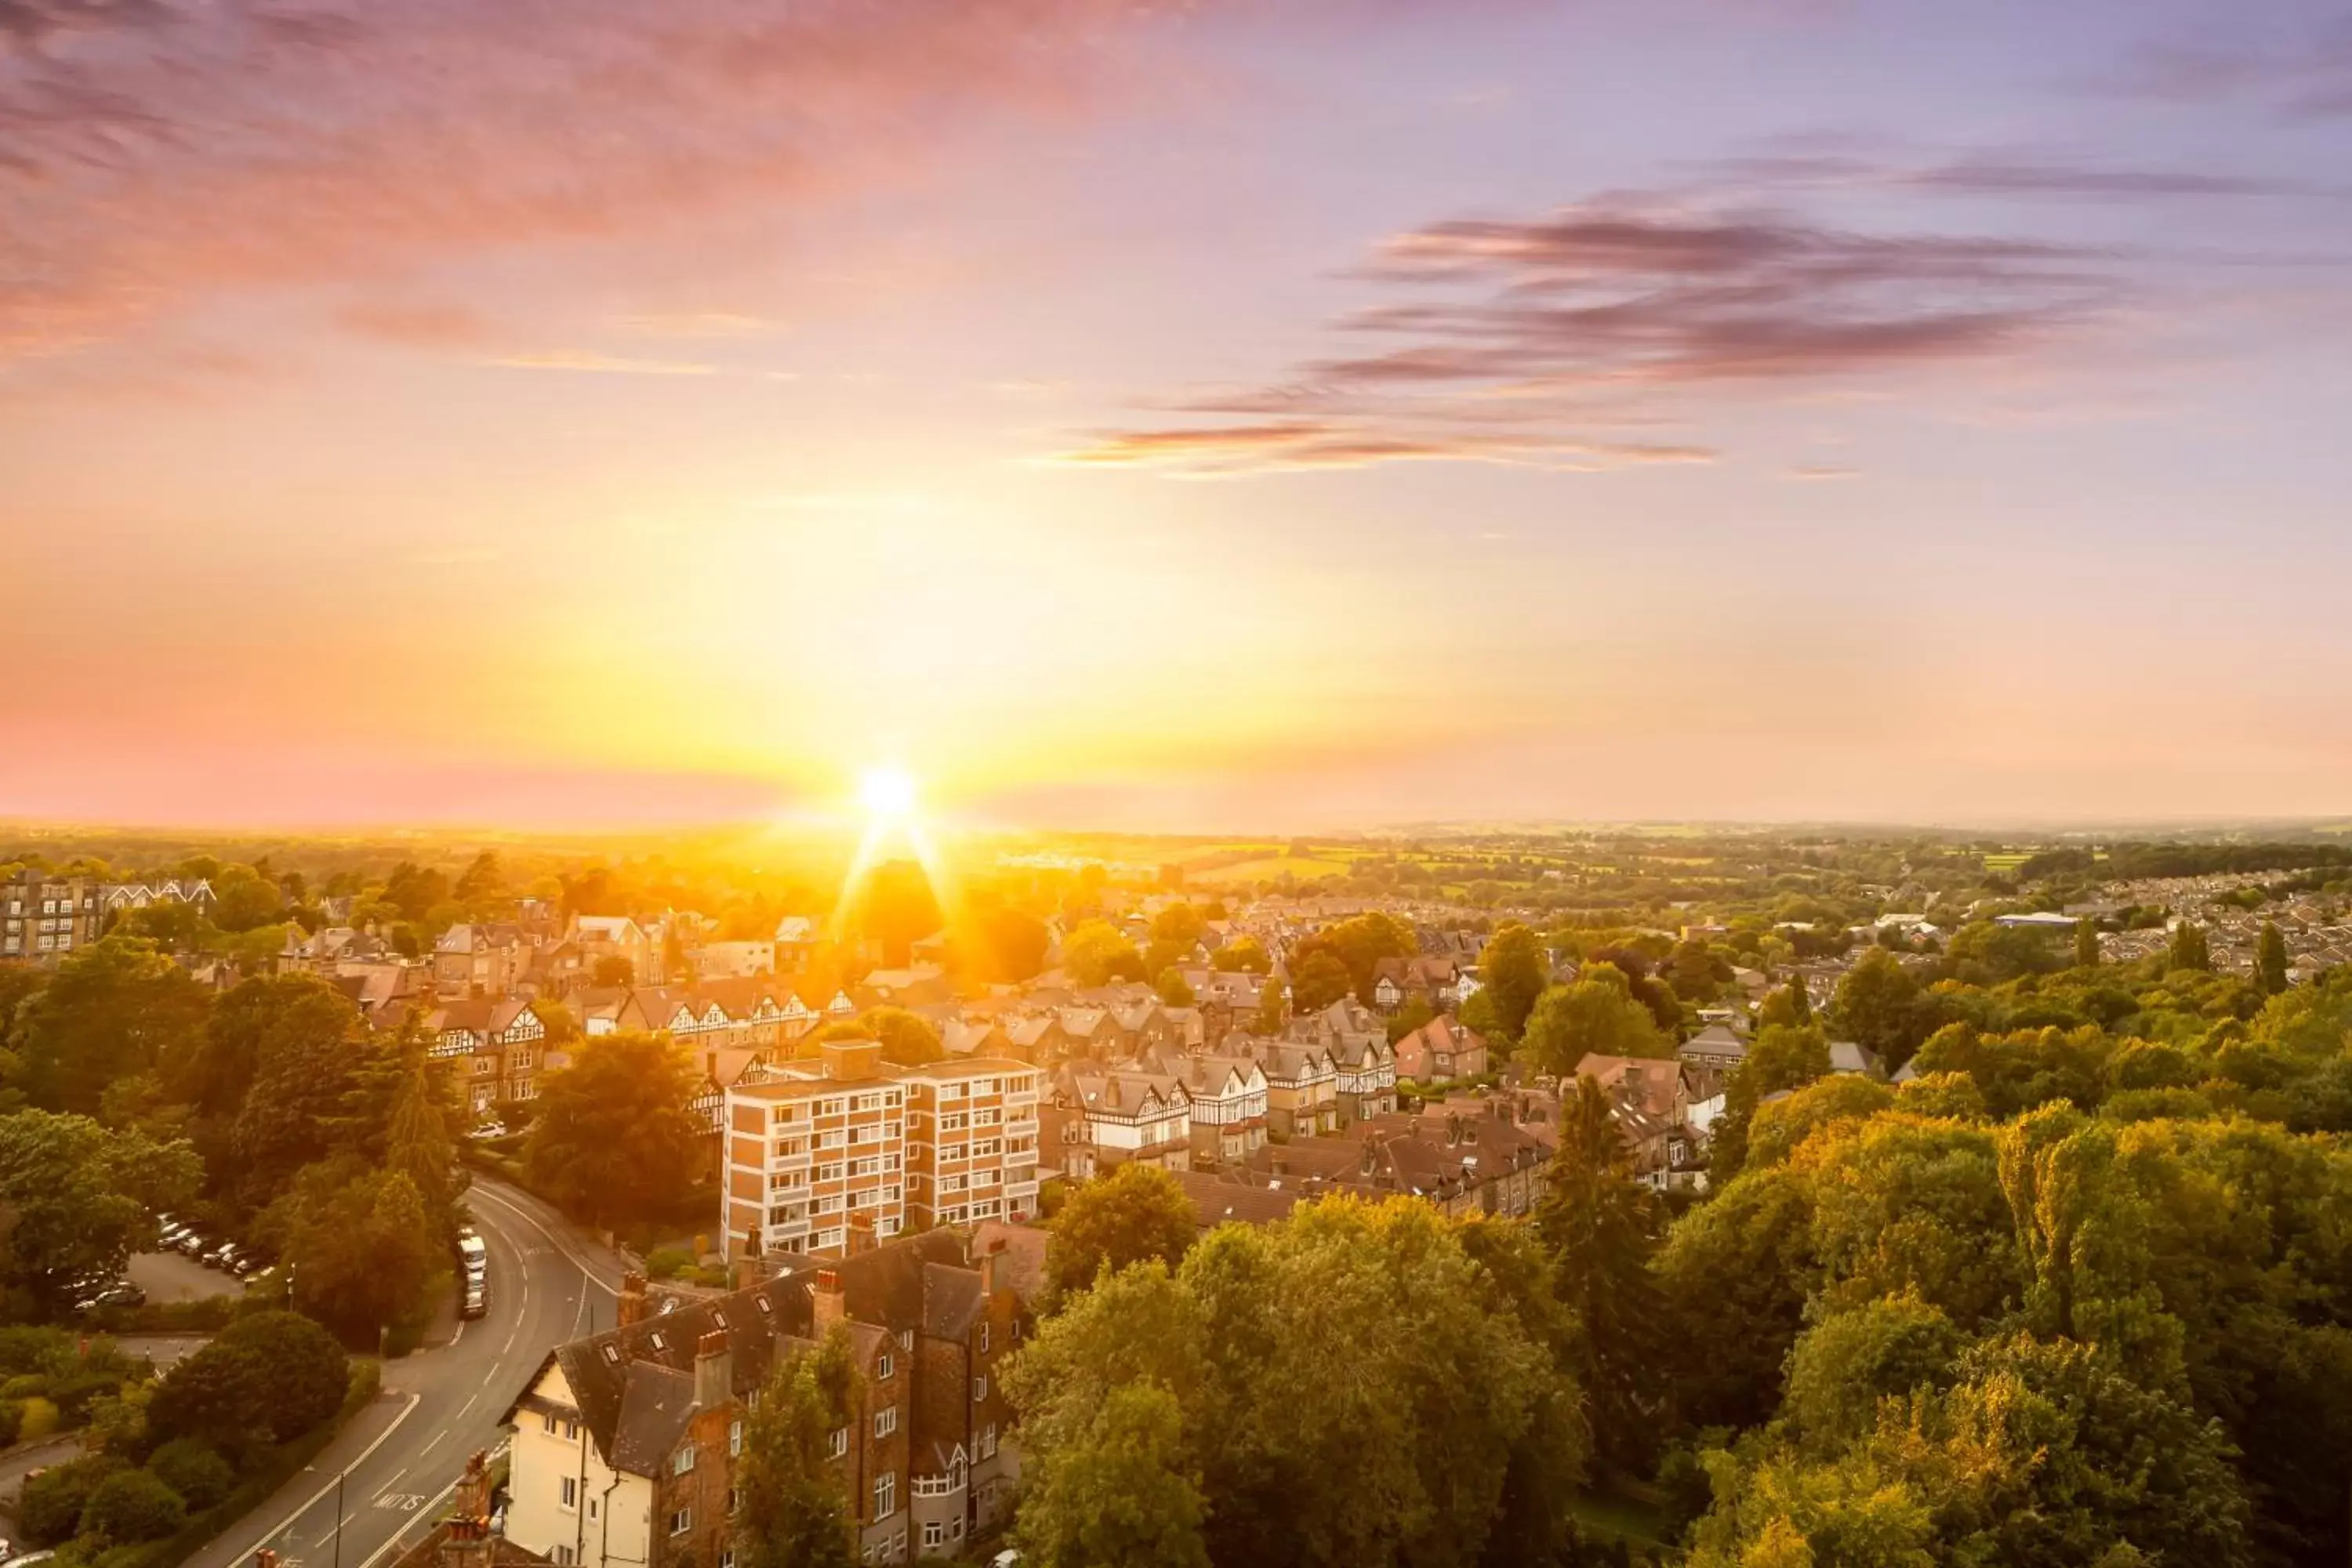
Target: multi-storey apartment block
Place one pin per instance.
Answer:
(42, 916)
(812, 1146)
(818, 1150)
(971, 1141)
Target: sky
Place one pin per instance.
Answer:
(1235, 415)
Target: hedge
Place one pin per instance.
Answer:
(278, 1467)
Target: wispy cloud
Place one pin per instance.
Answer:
(1307, 445)
(414, 325)
(2298, 67)
(590, 363)
(1515, 336)
(2011, 173)
(348, 142)
(1819, 471)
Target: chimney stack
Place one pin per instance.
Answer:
(861, 1234)
(632, 1305)
(988, 1260)
(714, 1371)
(828, 1305)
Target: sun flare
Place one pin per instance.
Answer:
(888, 794)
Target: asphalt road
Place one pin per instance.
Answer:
(383, 1482)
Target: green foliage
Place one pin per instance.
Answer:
(80, 1198)
(1350, 1385)
(362, 1247)
(1879, 1005)
(1317, 979)
(51, 1506)
(1128, 1495)
(1242, 955)
(1097, 952)
(615, 1142)
(1358, 944)
(1596, 1015)
(268, 1378)
(663, 1262)
(195, 1470)
(793, 1512)
(1512, 971)
(2270, 960)
(2189, 950)
(1136, 1214)
(1175, 990)
(1602, 1225)
(908, 1039)
(1842, 1367)
(131, 1506)
(112, 1010)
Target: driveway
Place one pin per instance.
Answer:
(168, 1277)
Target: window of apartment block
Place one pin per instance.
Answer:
(935, 1533)
(886, 1421)
(885, 1494)
(884, 1368)
(681, 1462)
(681, 1521)
(979, 1388)
(984, 1337)
(734, 1438)
(838, 1444)
(567, 1492)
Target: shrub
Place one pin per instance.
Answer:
(49, 1509)
(73, 1395)
(38, 1420)
(132, 1506)
(269, 1377)
(25, 1386)
(11, 1416)
(195, 1471)
(665, 1261)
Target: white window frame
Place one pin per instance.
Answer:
(886, 1421)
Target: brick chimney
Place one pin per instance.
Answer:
(632, 1305)
(987, 1261)
(860, 1233)
(714, 1371)
(829, 1305)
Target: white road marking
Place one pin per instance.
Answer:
(531, 1220)
(469, 1405)
(287, 1523)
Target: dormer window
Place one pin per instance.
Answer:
(718, 1317)
(612, 1354)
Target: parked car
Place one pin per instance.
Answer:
(477, 1300)
(122, 1293)
(192, 1243)
(490, 1130)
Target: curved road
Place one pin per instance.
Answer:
(394, 1464)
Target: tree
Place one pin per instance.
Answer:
(792, 1513)
(1097, 952)
(1286, 1348)
(80, 1198)
(361, 1247)
(1783, 1056)
(484, 885)
(1512, 971)
(266, 1378)
(1242, 955)
(1175, 990)
(1180, 924)
(1138, 1212)
(2086, 944)
(908, 1039)
(614, 1140)
(1359, 943)
(1595, 1015)
(1878, 1005)
(1319, 980)
(242, 899)
(1791, 1005)
(307, 1044)
(49, 1508)
(1272, 1009)
(613, 972)
(2270, 960)
(1602, 1225)
(1128, 1497)
(113, 1009)
(132, 1506)
(2189, 948)
(1017, 944)
(1417, 1011)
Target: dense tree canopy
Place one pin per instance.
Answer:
(613, 1139)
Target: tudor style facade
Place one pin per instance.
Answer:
(627, 1444)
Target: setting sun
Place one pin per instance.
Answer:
(887, 793)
